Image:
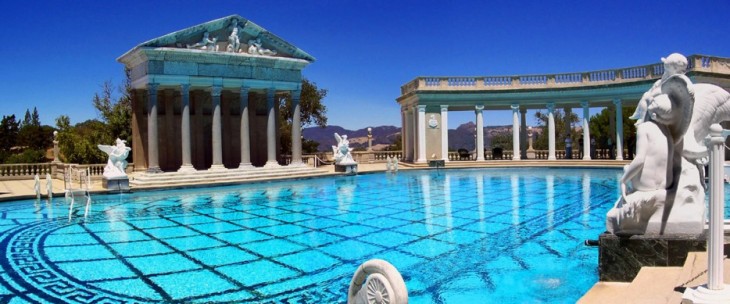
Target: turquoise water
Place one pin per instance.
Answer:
(457, 236)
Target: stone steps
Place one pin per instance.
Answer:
(221, 176)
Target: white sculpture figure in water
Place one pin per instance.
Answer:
(663, 188)
(342, 151)
(254, 47)
(206, 43)
(117, 163)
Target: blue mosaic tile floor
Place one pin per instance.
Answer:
(458, 236)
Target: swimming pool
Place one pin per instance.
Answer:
(457, 236)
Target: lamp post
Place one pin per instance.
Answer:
(370, 139)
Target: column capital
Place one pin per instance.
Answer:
(523, 110)
(617, 102)
(296, 94)
(244, 89)
(444, 108)
(584, 103)
(478, 108)
(550, 106)
(152, 88)
(421, 108)
(185, 88)
(216, 90)
(515, 106)
(270, 93)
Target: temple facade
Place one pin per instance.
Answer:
(206, 97)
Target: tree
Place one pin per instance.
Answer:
(601, 131)
(561, 124)
(312, 111)
(8, 136)
(502, 140)
(396, 145)
(78, 144)
(117, 115)
(32, 135)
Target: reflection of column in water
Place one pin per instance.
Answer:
(550, 193)
(586, 198)
(480, 200)
(426, 194)
(515, 199)
(345, 195)
(447, 201)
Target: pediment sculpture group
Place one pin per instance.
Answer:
(663, 188)
(234, 43)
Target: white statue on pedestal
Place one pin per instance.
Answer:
(342, 151)
(662, 189)
(117, 163)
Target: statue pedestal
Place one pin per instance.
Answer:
(349, 169)
(621, 258)
(116, 183)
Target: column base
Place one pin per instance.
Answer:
(480, 159)
(420, 161)
(296, 164)
(272, 164)
(552, 158)
(217, 168)
(187, 168)
(701, 294)
(619, 158)
(586, 158)
(245, 166)
(154, 170)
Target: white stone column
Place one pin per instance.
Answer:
(187, 165)
(619, 130)
(515, 131)
(270, 130)
(296, 130)
(586, 132)
(153, 161)
(445, 133)
(551, 130)
(523, 133)
(245, 139)
(215, 94)
(405, 132)
(414, 134)
(421, 134)
(478, 109)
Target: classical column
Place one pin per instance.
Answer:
(619, 130)
(271, 130)
(153, 163)
(296, 130)
(515, 131)
(568, 131)
(215, 93)
(421, 134)
(414, 134)
(523, 134)
(245, 141)
(405, 132)
(551, 130)
(445, 133)
(187, 164)
(586, 132)
(478, 109)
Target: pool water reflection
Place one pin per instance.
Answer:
(457, 236)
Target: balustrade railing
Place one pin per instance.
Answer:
(28, 171)
(591, 78)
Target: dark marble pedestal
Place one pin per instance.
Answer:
(115, 183)
(439, 163)
(621, 258)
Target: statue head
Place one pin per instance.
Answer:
(675, 64)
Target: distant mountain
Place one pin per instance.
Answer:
(461, 137)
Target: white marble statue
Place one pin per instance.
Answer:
(254, 47)
(377, 281)
(205, 44)
(117, 163)
(662, 189)
(342, 151)
(234, 43)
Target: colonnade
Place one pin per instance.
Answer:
(414, 131)
(216, 126)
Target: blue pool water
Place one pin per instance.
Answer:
(457, 236)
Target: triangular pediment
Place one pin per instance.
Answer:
(253, 40)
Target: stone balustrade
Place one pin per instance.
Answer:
(697, 63)
(28, 171)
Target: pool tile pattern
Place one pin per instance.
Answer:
(457, 236)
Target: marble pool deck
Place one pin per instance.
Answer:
(652, 285)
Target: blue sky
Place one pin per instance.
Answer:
(56, 54)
